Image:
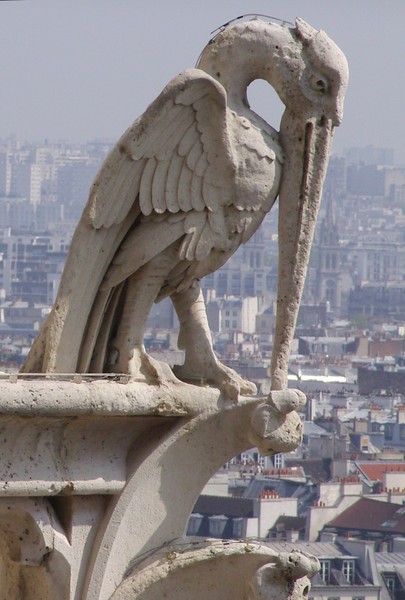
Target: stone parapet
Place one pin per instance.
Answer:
(96, 474)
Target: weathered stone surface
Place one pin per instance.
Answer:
(99, 473)
(187, 183)
(95, 478)
(219, 570)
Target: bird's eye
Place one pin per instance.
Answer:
(319, 84)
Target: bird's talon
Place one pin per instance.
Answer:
(218, 375)
(142, 367)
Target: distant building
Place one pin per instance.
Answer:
(369, 155)
(383, 475)
(324, 346)
(254, 513)
(377, 302)
(312, 315)
(365, 180)
(347, 571)
(391, 568)
(247, 273)
(328, 267)
(4, 173)
(381, 377)
(336, 176)
(73, 184)
(369, 519)
(288, 529)
(31, 266)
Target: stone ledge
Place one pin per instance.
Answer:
(71, 435)
(79, 395)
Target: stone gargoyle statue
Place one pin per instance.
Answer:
(187, 183)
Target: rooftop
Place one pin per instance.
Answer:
(389, 559)
(318, 549)
(371, 516)
(374, 471)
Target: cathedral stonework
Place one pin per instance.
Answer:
(105, 449)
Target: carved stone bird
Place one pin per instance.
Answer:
(186, 184)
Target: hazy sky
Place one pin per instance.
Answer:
(84, 69)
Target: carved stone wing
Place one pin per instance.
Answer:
(172, 171)
(176, 160)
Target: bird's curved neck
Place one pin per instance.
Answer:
(249, 57)
(236, 90)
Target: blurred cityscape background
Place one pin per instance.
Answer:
(341, 494)
(354, 300)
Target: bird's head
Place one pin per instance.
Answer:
(306, 68)
(310, 75)
(323, 74)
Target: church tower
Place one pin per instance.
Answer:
(329, 274)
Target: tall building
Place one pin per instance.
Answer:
(4, 179)
(251, 271)
(328, 260)
(370, 155)
(74, 181)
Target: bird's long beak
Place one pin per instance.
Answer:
(306, 143)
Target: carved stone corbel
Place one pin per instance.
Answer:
(219, 570)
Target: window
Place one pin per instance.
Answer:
(390, 583)
(389, 431)
(194, 524)
(364, 444)
(244, 457)
(217, 525)
(239, 529)
(222, 285)
(348, 570)
(389, 523)
(324, 572)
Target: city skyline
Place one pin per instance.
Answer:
(72, 70)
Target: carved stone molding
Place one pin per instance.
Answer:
(219, 570)
(98, 474)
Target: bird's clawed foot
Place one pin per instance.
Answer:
(140, 366)
(218, 374)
